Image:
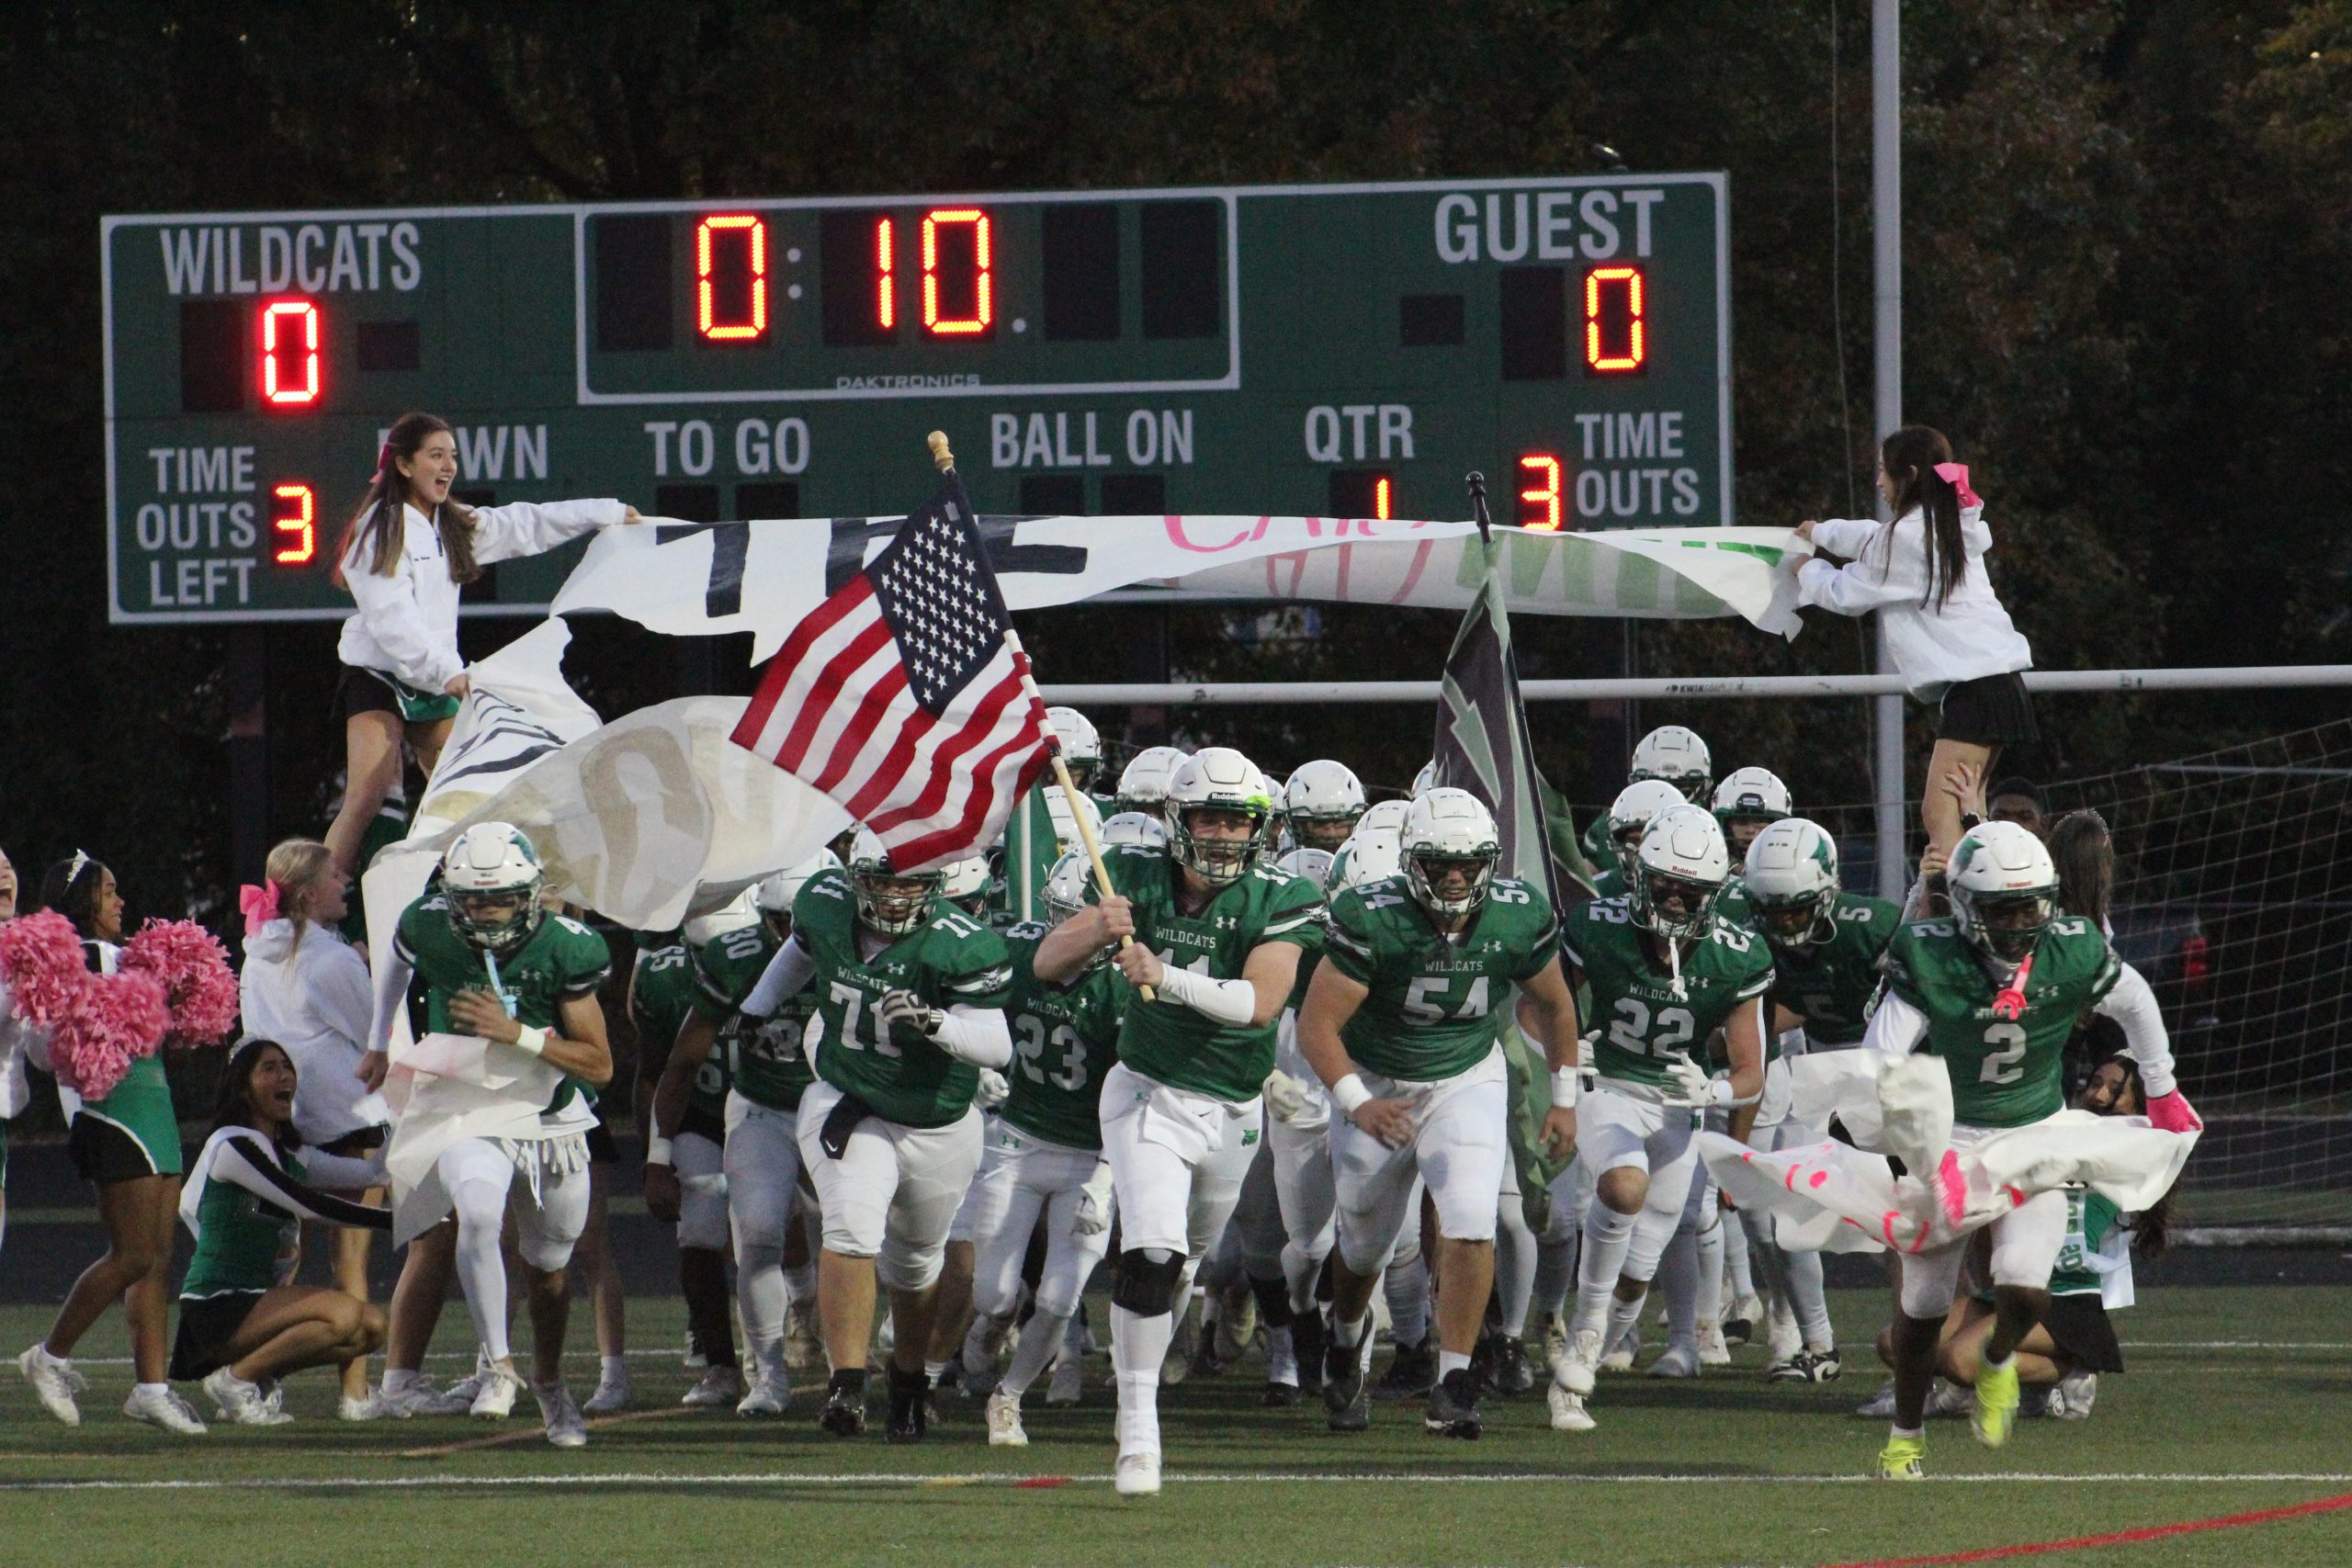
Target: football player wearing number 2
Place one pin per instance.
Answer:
(1994, 991)
(1403, 1021)
(1666, 972)
(1217, 936)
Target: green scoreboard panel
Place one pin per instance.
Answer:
(1322, 350)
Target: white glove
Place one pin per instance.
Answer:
(1694, 1087)
(1285, 1096)
(1093, 1216)
(994, 1088)
(1585, 1043)
(905, 1007)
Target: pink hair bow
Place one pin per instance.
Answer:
(260, 904)
(1956, 476)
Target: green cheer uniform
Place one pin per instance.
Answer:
(2005, 1072)
(1644, 1025)
(1065, 1037)
(764, 1055)
(2092, 1231)
(951, 958)
(562, 961)
(658, 1004)
(1435, 1005)
(1831, 983)
(1170, 1042)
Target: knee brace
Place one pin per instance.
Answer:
(1148, 1278)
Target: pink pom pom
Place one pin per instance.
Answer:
(193, 968)
(41, 958)
(114, 1023)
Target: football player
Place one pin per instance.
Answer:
(1143, 785)
(1666, 972)
(1403, 1023)
(1081, 747)
(1321, 802)
(1627, 820)
(1669, 752)
(1217, 936)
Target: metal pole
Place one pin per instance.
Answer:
(1886, 290)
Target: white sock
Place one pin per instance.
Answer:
(767, 1358)
(1607, 1236)
(1622, 1315)
(1139, 1346)
(1743, 1278)
(1447, 1361)
(1556, 1271)
(1407, 1289)
(1282, 1358)
(1514, 1265)
(1678, 1278)
(1709, 1303)
(399, 1378)
(1807, 1299)
(800, 1284)
(613, 1368)
(1346, 1334)
(932, 1369)
(1034, 1354)
(151, 1389)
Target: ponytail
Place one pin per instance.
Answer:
(377, 528)
(1911, 457)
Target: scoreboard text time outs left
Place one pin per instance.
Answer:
(1325, 350)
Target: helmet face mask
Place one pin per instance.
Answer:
(1791, 869)
(495, 921)
(1797, 922)
(1220, 816)
(1675, 908)
(2004, 890)
(1679, 873)
(2008, 928)
(1450, 846)
(1448, 886)
(889, 902)
(491, 878)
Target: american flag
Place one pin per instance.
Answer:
(901, 697)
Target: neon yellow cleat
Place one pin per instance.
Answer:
(1996, 1403)
(1902, 1458)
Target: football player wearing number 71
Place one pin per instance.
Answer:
(1666, 972)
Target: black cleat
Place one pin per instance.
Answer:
(1309, 1339)
(1454, 1406)
(1344, 1400)
(909, 1407)
(1808, 1365)
(1512, 1375)
(1411, 1373)
(1281, 1396)
(845, 1414)
(1738, 1330)
(1206, 1362)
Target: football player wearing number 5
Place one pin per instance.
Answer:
(1217, 936)
(1403, 1020)
(1666, 972)
(1994, 991)
(1045, 1154)
(909, 994)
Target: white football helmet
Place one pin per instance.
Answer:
(1745, 802)
(1792, 883)
(1081, 747)
(1678, 755)
(1387, 816)
(1066, 813)
(1144, 785)
(1426, 780)
(1135, 827)
(1321, 801)
(1680, 870)
(492, 877)
(737, 912)
(1218, 778)
(963, 883)
(1370, 855)
(2004, 889)
(779, 890)
(1070, 887)
(1313, 864)
(1630, 814)
(1449, 831)
(888, 901)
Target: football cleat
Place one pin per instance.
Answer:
(1412, 1373)
(611, 1394)
(1712, 1351)
(768, 1394)
(494, 1399)
(694, 1361)
(1309, 1337)
(1005, 1430)
(802, 1348)
(1948, 1398)
(420, 1398)
(1567, 1411)
(1237, 1321)
(1067, 1385)
(1179, 1363)
(1808, 1365)
(1137, 1475)
(1512, 1375)
(1621, 1359)
(1902, 1458)
(1346, 1405)
(1996, 1403)
(163, 1407)
(1573, 1371)
(844, 1412)
(716, 1389)
(1681, 1359)
(1454, 1406)
(567, 1429)
(910, 1418)
(55, 1383)
(1746, 1312)
(1881, 1406)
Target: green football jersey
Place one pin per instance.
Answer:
(764, 1057)
(2005, 1072)
(1064, 1039)
(1731, 904)
(658, 1004)
(951, 958)
(562, 961)
(1644, 1025)
(1831, 983)
(1609, 884)
(1436, 1002)
(1170, 1042)
(1596, 845)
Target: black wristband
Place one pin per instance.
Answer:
(1968, 820)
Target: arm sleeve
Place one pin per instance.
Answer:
(240, 1162)
(791, 969)
(391, 989)
(526, 528)
(977, 1036)
(2131, 1004)
(1233, 1002)
(341, 1172)
(1896, 1028)
(427, 655)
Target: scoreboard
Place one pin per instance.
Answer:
(1340, 350)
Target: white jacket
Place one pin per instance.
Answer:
(15, 1039)
(315, 1001)
(1934, 649)
(407, 623)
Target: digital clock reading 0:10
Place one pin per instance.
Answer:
(1343, 351)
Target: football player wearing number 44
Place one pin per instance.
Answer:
(1403, 1021)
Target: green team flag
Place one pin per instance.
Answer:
(1482, 746)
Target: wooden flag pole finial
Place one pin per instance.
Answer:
(941, 457)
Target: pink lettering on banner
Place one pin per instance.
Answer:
(1176, 536)
(1296, 561)
(1413, 573)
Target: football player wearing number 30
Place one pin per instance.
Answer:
(1666, 972)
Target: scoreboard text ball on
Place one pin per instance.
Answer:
(1321, 350)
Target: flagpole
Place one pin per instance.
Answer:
(1477, 483)
(944, 461)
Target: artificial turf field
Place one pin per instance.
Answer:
(2239, 1401)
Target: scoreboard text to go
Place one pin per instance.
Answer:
(1334, 350)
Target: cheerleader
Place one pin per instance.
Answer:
(128, 1144)
(403, 676)
(308, 989)
(243, 1327)
(15, 1089)
(1950, 639)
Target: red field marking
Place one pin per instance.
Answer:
(2117, 1537)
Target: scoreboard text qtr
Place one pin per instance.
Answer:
(1325, 350)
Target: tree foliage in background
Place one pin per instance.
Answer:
(2125, 236)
